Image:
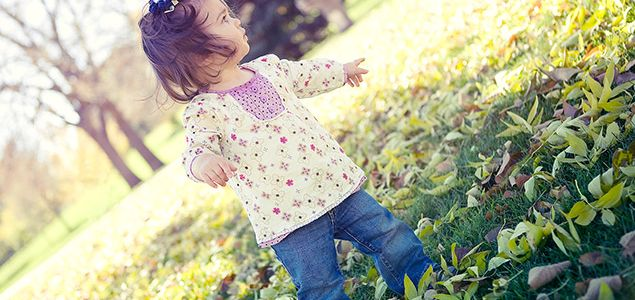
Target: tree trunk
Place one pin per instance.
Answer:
(100, 136)
(133, 138)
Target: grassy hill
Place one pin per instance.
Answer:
(503, 133)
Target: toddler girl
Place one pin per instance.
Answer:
(246, 126)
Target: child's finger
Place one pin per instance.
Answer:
(360, 77)
(349, 81)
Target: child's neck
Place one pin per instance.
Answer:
(231, 77)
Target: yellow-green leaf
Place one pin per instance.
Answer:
(520, 121)
(612, 198)
(608, 217)
(578, 146)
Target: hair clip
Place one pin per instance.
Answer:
(165, 6)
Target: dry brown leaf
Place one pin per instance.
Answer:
(492, 235)
(521, 179)
(559, 193)
(628, 242)
(591, 258)
(542, 275)
(581, 287)
(614, 282)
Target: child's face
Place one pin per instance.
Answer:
(222, 24)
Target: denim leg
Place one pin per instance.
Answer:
(393, 245)
(309, 256)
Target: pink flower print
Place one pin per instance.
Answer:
(262, 167)
(276, 128)
(305, 171)
(242, 176)
(226, 118)
(302, 147)
(243, 142)
(283, 140)
(312, 147)
(201, 111)
(328, 66)
(284, 165)
(307, 82)
(198, 151)
(249, 182)
(233, 136)
(334, 161)
(290, 182)
(187, 139)
(265, 195)
(199, 102)
(316, 67)
(237, 158)
(329, 176)
(276, 210)
(344, 176)
(212, 137)
(297, 203)
(302, 130)
(326, 82)
(319, 152)
(286, 216)
(256, 208)
(255, 128)
(321, 202)
(264, 59)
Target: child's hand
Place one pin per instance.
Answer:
(213, 169)
(354, 73)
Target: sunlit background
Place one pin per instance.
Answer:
(95, 205)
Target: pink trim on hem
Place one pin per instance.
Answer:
(277, 239)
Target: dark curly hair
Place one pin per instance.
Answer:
(177, 46)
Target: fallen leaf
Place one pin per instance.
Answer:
(582, 286)
(614, 282)
(492, 235)
(488, 215)
(563, 74)
(561, 192)
(591, 258)
(521, 179)
(507, 194)
(628, 242)
(539, 276)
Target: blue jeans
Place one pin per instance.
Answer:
(309, 254)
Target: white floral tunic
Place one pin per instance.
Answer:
(290, 169)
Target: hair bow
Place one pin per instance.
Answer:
(159, 6)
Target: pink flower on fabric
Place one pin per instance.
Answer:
(326, 82)
(276, 128)
(286, 216)
(312, 147)
(255, 128)
(243, 142)
(302, 148)
(233, 137)
(265, 195)
(328, 66)
(283, 140)
(344, 176)
(276, 210)
(329, 175)
(242, 176)
(264, 59)
(296, 203)
(198, 151)
(284, 165)
(290, 182)
(237, 158)
(256, 207)
(321, 202)
(262, 167)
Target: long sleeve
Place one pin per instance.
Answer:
(312, 77)
(203, 132)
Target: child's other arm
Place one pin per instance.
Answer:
(319, 75)
(202, 159)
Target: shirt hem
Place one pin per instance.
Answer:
(271, 242)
